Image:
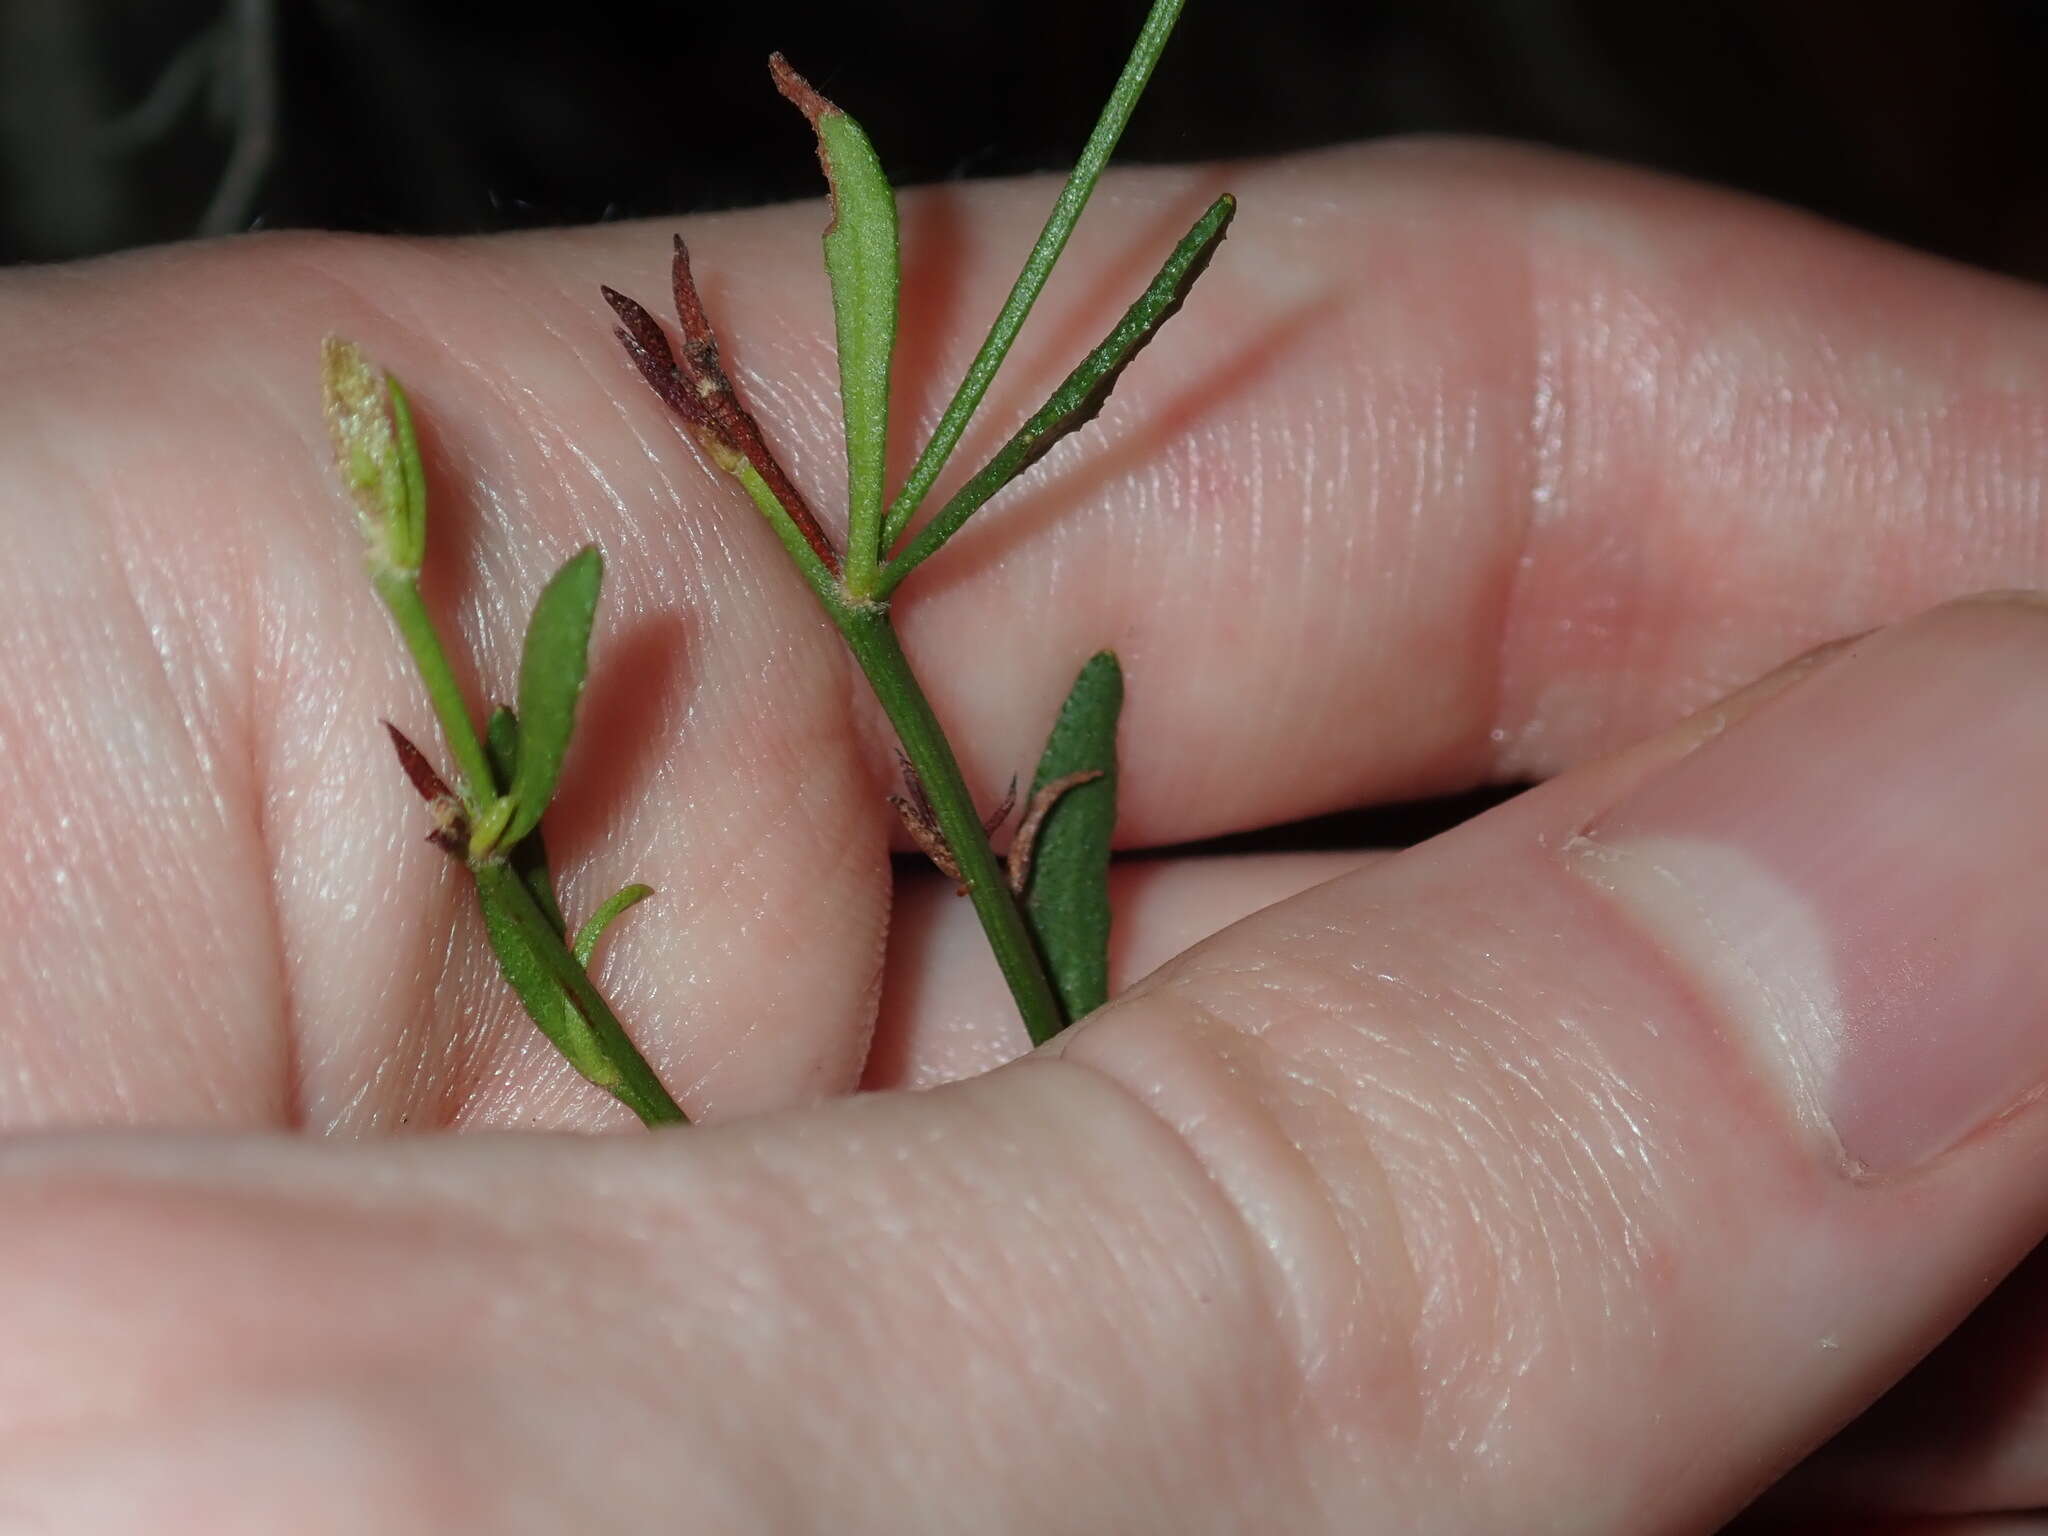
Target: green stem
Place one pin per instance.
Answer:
(872, 639)
(815, 572)
(1052, 240)
(401, 593)
(618, 1066)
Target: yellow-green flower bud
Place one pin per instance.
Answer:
(378, 455)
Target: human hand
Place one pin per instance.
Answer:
(1476, 1190)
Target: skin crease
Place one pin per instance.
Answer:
(1463, 463)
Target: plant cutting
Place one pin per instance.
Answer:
(1045, 909)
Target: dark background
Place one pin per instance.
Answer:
(129, 121)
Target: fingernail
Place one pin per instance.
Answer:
(1857, 871)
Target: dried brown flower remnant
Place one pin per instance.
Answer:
(694, 385)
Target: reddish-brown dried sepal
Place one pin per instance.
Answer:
(451, 822)
(418, 770)
(694, 385)
(647, 344)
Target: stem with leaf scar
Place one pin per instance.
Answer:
(872, 639)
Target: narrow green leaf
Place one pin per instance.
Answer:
(530, 857)
(1045, 254)
(861, 259)
(551, 674)
(621, 900)
(1067, 901)
(519, 895)
(560, 999)
(1080, 397)
(547, 1003)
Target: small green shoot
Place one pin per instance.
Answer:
(491, 824)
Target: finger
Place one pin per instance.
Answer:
(1340, 459)
(1603, 1116)
(1490, 460)
(1580, 1169)
(945, 1012)
(1967, 1430)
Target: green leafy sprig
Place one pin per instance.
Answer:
(490, 822)
(1040, 952)
(1046, 909)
